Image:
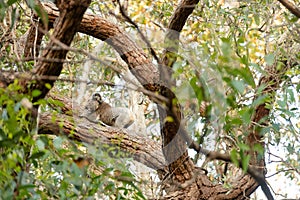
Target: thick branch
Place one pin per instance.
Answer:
(176, 23)
(174, 139)
(143, 149)
(71, 13)
(271, 82)
(291, 7)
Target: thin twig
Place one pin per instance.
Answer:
(278, 172)
(128, 19)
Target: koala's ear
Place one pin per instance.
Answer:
(97, 97)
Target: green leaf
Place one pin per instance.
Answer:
(37, 155)
(7, 142)
(234, 157)
(199, 89)
(257, 19)
(257, 67)
(258, 148)
(290, 148)
(13, 17)
(280, 66)
(244, 73)
(238, 85)
(244, 60)
(298, 87)
(281, 104)
(36, 93)
(291, 95)
(243, 147)
(55, 102)
(260, 100)
(294, 19)
(236, 121)
(27, 186)
(11, 2)
(48, 86)
(269, 59)
(226, 50)
(245, 162)
(31, 3)
(40, 144)
(42, 14)
(57, 142)
(246, 114)
(247, 76)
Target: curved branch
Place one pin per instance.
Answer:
(144, 150)
(176, 23)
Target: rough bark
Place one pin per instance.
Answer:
(176, 23)
(145, 151)
(71, 13)
(174, 139)
(291, 7)
(81, 129)
(138, 62)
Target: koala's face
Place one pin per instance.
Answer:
(97, 97)
(90, 110)
(91, 106)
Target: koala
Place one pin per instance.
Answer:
(98, 110)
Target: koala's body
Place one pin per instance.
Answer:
(98, 110)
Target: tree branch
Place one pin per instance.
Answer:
(291, 7)
(71, 13)
(83, 130)
(176, 23)
(145, 39)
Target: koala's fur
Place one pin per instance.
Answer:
(98, 110)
